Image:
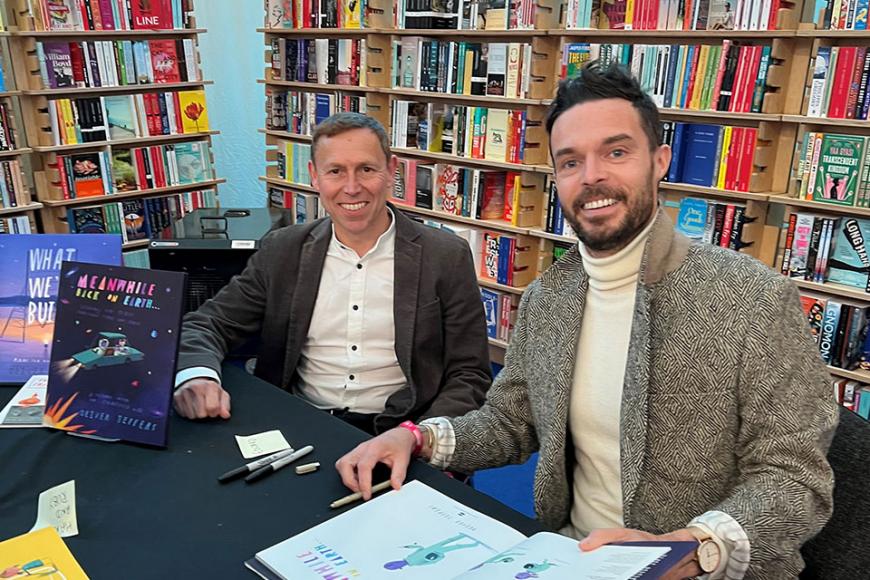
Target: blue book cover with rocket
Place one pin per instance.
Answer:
(28, 288)
(114, 352)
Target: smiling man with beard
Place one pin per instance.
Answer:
(672, 388)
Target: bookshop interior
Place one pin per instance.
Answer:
(193, 192)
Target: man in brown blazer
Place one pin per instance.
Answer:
(366, 314)
(672, 388)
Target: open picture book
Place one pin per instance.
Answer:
(418, 533)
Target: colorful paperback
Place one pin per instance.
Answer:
(839, 169)
(28, 289)
(39, 554)
(120, 117)
(194, 115)
(849, 263)
(114, 352)
(26, 408)
(692, 217)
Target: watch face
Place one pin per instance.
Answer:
(708, 556)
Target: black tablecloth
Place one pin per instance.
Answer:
(160, 513)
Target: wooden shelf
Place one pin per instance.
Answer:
(714, 192)
(819, 206)
(498, 343)
(832, 33)
(446, 157)
(318, 87)
(496, 286)
(147, 88)
(826, 121)
(135, 244)
(482, 224)
(833, 289)
(490, 100)
(9, 93)
(14, 152)
(288, 184)
(538, 233)
(285, 135)
(101, 199)
(856, 375)
(107, 33)
(319, 31)
(20, 208)
(136, 141)
(524, 33)
(718, 115)
(714, 34)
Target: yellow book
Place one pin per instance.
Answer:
(466, 78)
(40, 554)
(700, 78)
(629, 14)
(515, 202)
(288, 160)
(495, 148)
(352, 16)
(723, 158)
(69, 122)
(194, 114)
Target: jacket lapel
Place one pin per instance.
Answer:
(406, 283)
(305, 294)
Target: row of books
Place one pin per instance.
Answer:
(138, 219)
(336, 61)
(728, 77)
(500, 309)
(315, 14)
(8, 141)
(499, 69)
(293, 161)
(719, 156)
(300, 111)
(99, 173)
(19, 224)
(839, 328)
(465, 14)
(305, 207)
(839, 87)
(834, 168)
(720, 224)
(114, 117)
(554, 220)
(844, 14)
(853, 395)
(473, 132)
(462, 191)
(13, 190)
(115, 63)
(672, 14)
(827, 249)
(69, 15)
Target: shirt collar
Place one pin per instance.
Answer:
(385, 242)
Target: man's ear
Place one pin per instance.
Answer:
(392, 164)
(662, 161)
(312, 173)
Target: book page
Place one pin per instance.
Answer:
(26, 408)
(553, 557)
(416, 533)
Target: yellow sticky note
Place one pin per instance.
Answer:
(40, 554)
(261, 443)
(57, 509)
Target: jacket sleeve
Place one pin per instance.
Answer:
(501, 432)
(783, 492)
(226, 321)
(467, 372)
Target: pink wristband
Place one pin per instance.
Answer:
(418, 437)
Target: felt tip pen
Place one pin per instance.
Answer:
(276, 465)
(254, 465)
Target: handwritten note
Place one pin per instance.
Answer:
(261, 443)
(57, 508)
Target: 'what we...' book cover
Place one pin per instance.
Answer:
(114, 352)
(28, 288)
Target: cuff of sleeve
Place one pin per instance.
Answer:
(444, 442)
(185, 375)
(733, 543)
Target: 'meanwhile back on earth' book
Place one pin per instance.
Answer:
(28, 288)
(114, 352)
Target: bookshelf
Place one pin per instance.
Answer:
(113, 107)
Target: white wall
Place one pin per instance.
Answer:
(232, 57)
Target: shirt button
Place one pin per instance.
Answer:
(355, 307)
(359, 266)
(351, 377)
(353, 347)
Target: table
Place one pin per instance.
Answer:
(160, 513)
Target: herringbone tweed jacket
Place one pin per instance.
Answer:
(726, 402)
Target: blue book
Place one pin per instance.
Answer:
(321, 107)
(675, 171)
(505, 247)
(699, 158)
(673, 59)
(684, 90)
(490, 300)
(692, 217)
(28, 291)
(828, 335)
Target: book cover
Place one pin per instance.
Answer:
(135, 220)
(194, 114)
(114, 352)
(123, 171)
(151, 15)
(87, 175)
(59, 14)
(838, 169)
(164, 61)
(120, 117)
(700, 159)
(39, 554)
(193, 166)
(848, 262)
(814, 309)
(692, 217)
(490, 300)
(28, 290)
(58, 64)
(26, 408)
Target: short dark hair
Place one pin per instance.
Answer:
(596, 82)
(342, 123)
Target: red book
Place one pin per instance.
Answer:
(742, 71)
(141, 179)
(61, 172)
(692, 74)
(151, 15)
(164, 61)
(727, 224)
(842, 81)
(107, 16)
(749, 81)
(155, 127)
(78, 63)
(789, 239)
(96, 14)
(720, 73)
(775, 5)
(733, 159)
(747, 162)
(687, 14)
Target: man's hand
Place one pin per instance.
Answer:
(202, 399)
(688, 566)
(392, 448)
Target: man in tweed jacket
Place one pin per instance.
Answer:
(689, 402)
